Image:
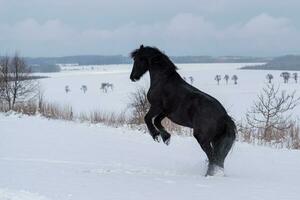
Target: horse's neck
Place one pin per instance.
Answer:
(160, 77)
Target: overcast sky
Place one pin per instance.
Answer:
(189, 27)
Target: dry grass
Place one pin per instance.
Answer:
(27, 108)
(139, 106)
(55, 111)
(288, 138)
(176, 129)
(65, 112)
(110, 119)
(3, 107)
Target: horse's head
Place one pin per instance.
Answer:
(140, 64)
(149, 58)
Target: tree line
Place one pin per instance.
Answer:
(17, 85)
(234, 77)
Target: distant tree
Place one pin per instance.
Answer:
(295, 77)
(83, 88)
(286, 76)
(104, 87)
(269, 77)
(43, 68)
(16, 83)
(226, 77)
(191, 80)
(111, 86)
(271, 111)
(67, 89)
(234, 78)
(218, 78)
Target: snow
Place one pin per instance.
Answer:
(43, 159)
(19, 195)
(56, 160)
(237, 99)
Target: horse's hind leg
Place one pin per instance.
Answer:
(163, 133)
(207, 148)
(222, 145)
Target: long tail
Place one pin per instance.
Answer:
(225, 141)
(230, 130)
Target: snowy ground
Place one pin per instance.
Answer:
(236, 98)
(44, 159)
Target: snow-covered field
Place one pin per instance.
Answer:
(236, 98)
(44, 159)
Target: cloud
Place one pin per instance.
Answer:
(182, 34)
(264, 25)
(31, 30)
(264, 34)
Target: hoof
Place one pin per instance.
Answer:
(166, 137)
(215, 170)
(156, 138)
(167, 142)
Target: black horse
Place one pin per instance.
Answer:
(170, 96)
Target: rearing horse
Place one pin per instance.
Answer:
(170, 96)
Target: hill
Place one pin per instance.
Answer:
(50, 64)
(288, 62)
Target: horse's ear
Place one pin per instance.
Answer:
(142, 46)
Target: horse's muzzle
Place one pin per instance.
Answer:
(134, 79)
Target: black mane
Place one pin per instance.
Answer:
(153, 52)
(134, 53)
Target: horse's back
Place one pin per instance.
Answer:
(188, 106)
(200, 100)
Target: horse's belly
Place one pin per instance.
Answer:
(180, 119)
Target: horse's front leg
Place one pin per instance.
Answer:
(149, 122)
(163, 133)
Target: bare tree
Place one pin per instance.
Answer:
(269, 77)
(111, 86)
(16, 83)
(191, 80)
(295, 77)
(226, 77)
(286, 76)
(83, 88)
(104, 87)
(140, 105)
(234, 78)
(272, 110)
(218, 78)
(67, 89)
